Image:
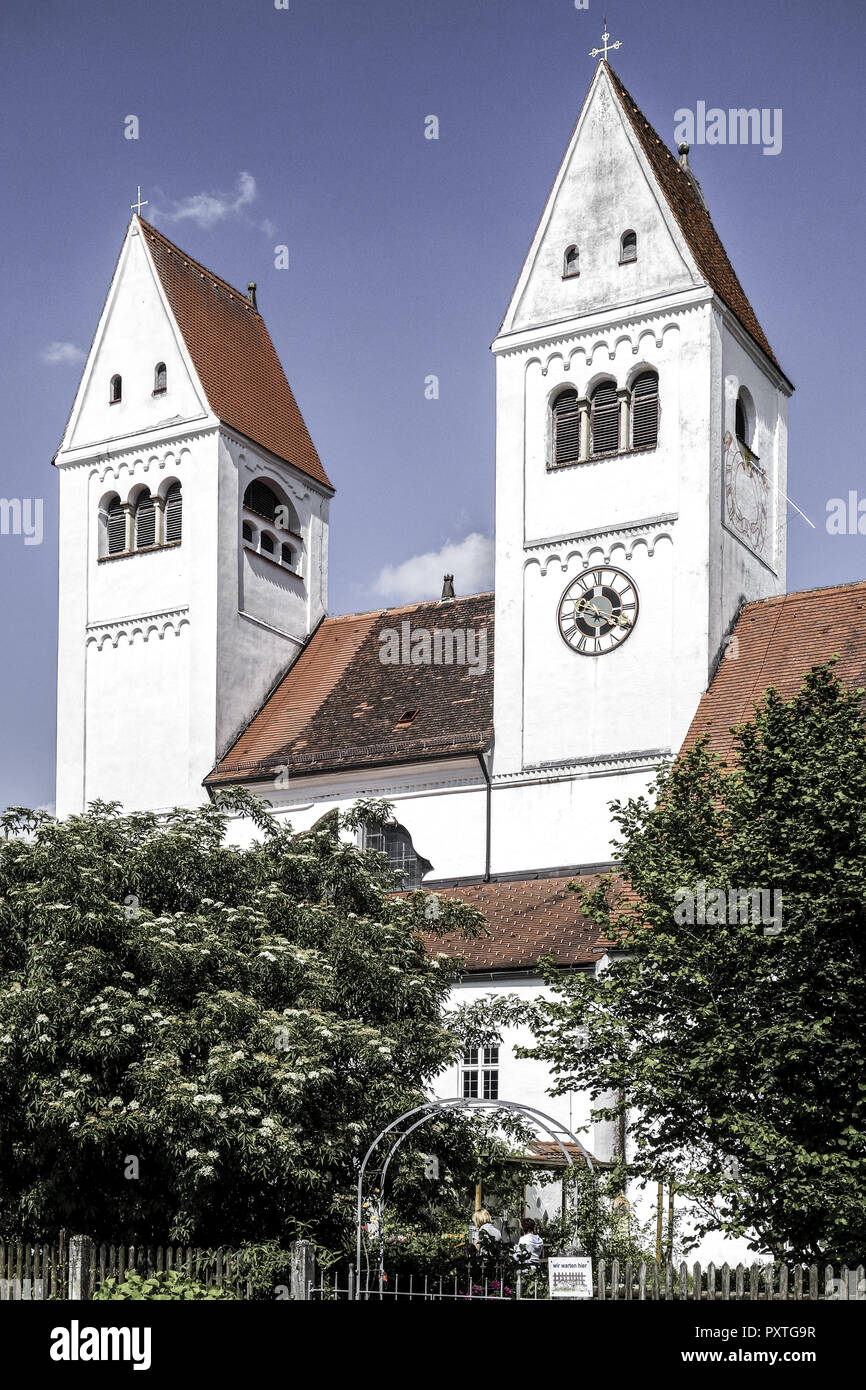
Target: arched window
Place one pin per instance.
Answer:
(571, 263)
(145, 522)
(604, 420)
(628, 247)
(262, 499)
(267, 543)
(173, 514)
(286, 554)
(160, 379)
(115, 528)
(645, 411)
(115, 390)
(287, 518)
(741, 421)
(247, 531)
(566, 429)
(395, 842)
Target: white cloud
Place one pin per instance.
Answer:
(206, 209)
(469, 560)
(59, 354)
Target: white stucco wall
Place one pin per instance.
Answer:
(164, 655)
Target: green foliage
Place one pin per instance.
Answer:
(171, 1285)
(739, 1054)
(198, 1042)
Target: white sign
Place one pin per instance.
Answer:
(570, 1276)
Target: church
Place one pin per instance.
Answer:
(641, 458)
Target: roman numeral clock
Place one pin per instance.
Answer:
(598, 611)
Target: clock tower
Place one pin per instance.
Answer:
(640, 483)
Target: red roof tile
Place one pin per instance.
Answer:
(778, 641)
(340, 706)
(234, 357)
(693, 218)
(527, 918)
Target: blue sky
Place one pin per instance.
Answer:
(305, 127)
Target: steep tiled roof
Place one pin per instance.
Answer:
(340, 706)
(527, 918)
(234, 357)
(694, 220)
(778, 640)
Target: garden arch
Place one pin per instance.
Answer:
(411, 1120)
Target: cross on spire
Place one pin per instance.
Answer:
(594, 52)
(142, 202)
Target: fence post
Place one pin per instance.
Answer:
(81, 1251)
(303, 1268)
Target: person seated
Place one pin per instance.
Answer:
(530, 1245)
(482, 1231)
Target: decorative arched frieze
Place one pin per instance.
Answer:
(145, 626)
(134, 464)
(600, 547)
(608, 342)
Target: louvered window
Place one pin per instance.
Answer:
(566, 429)
(645, 411)
(160, 379)
(115, 390)
(173, 513)
(247, 531)
(145, 523)
(604, 420)
(262, 499)
(628, 246)
(286, 554)
(267, 543)
(115, 526)
(572, 261)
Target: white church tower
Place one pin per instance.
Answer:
(641, 469)
(193, 533)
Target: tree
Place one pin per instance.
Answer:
(197, 1042)
(733, 1035)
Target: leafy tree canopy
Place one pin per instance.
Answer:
(737, 1047)
(198, 1042)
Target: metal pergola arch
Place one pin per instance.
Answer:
(553, 1127)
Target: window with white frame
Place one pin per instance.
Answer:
(480, 1073)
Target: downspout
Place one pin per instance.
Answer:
(488, 813)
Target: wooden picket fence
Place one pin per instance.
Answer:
(74, 1267)
(751, 1283)
(71, 1268)
(34, 1270)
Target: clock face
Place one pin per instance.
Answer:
(746, 494)
(598, 611)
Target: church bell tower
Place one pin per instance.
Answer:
(193, 533)
(640, 482)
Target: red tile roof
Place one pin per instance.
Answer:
(693, 218)
(549, 1154)
(234, 357)
(339, 706)
(527, 918)
(778, 640)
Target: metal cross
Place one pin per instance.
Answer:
(142, 202)
(594, 52)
